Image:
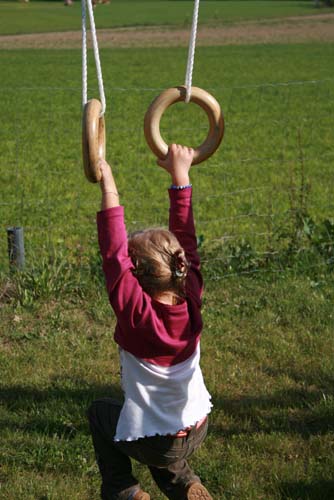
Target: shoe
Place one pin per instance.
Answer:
(141, 495)
(196, 491)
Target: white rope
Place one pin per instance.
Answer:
(84, 53)
(191, 52)
(96, 55)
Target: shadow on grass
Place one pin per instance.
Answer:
(306, 410)
(308, 491)
(60, 409)
(323, 381)
(56, 410)
(302, 412)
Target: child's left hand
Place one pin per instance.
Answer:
(177, 163)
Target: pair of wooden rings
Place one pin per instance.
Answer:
(93, 128)
(93, 139)
(176, 94)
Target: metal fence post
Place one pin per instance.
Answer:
(16, 247)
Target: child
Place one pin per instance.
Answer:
(155, 287)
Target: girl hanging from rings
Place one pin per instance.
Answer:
(155, 288)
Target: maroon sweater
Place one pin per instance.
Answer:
(159, 333)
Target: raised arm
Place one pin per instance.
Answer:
(125, 294)
(181, 221)
(110, 196)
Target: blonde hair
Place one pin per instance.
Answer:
(159, 260)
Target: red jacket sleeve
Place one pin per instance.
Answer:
(181, 223)
(125, 294)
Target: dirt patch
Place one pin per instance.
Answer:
(317, 28)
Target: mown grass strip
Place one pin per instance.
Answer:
(41, 17)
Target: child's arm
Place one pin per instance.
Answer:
(181, 221)
(110, 196)
(124, 292)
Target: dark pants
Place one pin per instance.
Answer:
(165, 455)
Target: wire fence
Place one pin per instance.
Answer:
(265, 196)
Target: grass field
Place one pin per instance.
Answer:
(261, 206)
(53, 16)
(268, 128)
(268, 361)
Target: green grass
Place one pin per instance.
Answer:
(267, 350)
(247, 189)
(267, 356)
(53, 16)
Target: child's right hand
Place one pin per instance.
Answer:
(110, 197)
(177, 163)
(107, 180)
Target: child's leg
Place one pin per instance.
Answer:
(174, 479)
(115, 467)
(166, 457)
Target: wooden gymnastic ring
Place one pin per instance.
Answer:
(176, 94)
(93, 139)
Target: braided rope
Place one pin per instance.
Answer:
(191, 51)
(84, 53)
(96, 55)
